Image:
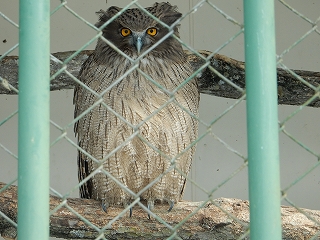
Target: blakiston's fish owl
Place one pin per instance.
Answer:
(140, 125)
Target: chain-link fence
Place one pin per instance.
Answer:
(219, 167)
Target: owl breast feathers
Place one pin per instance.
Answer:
(139, 116)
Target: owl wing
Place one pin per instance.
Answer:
(83, 172)
(81, 103)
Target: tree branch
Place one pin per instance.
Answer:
(210, 222)
(291, 91)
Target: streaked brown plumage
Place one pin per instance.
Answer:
(136, 110)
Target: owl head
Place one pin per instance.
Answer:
(133, 31)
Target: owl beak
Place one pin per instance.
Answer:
(138, 41)
(139, 44)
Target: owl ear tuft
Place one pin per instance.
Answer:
(169, 19)
(104, 16)
(167, 13)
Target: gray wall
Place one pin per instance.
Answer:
(205, 29)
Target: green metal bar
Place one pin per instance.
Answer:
(34, 99)
(262, 120)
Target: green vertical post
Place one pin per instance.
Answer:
(262, 120)
(34, 99)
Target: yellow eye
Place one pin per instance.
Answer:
(152, 31)
(125, 32)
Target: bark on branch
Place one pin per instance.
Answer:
(291, 91)
(210, 222)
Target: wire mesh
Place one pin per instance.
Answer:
(312, 29)
(4, 121)
(209, 129)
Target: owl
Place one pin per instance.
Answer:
(136, 110)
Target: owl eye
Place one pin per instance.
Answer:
(125, 32)
(152, 31)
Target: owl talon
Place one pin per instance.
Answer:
(104, 207)
(148, 212)
(171, 205)
(150, 206)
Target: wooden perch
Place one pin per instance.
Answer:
(291, 91)
(210, 222)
